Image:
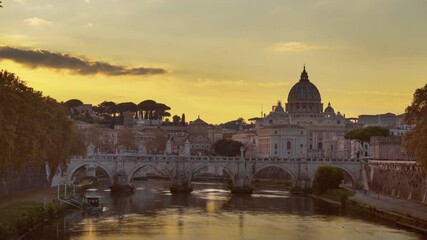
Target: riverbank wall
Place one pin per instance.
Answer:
(399, 180)
(396, 219)
(401, 220)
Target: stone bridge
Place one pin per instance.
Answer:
(122, 167)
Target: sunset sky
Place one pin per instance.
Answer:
(220, 59)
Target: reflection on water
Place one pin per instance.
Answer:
(211, 212)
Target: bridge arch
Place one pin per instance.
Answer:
(139, 167)
(287, 170)
(200, 166)
(345, 170)
(74, 170)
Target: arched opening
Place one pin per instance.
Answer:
(211, 180)
(328, 177)
(273, 177)
(146, 172)
(90, 174)
(211, 173)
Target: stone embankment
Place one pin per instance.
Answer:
(401, 212)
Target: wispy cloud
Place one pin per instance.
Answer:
(76, 65)
(35, 22)
(296, 47)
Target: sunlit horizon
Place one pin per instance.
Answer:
(218, 59)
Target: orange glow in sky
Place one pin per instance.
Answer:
(220, 59)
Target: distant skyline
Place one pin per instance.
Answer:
(219, 59)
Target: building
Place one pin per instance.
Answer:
(383, 120)
(198, 131)
(304, 112)
(389, 148)
(350, 149)
(282, 141)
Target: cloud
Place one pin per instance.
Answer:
(35, 22)
(76, 65)
(296, 47)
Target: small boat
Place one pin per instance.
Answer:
(91, 204)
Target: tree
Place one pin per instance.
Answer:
(94, 135)
(126, 138)
(365, 134)
(106, 108)
(327, 177)
(416, 114)
(157, 144)
(176, 119)
(73, 103)
(183, 119)
(147, 108)
(34, 128)
(161, 111)
(78, 145)
(228, 147)
(126, 106)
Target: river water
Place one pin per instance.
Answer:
(211, 212)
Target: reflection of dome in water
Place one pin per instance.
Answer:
(304, 90)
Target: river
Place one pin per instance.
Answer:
(211, 212)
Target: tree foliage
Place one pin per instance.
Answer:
(327, 177)
(33, 128)
(176, 119)
(73, 103)
(148, 109)
(157, 144)
(126, 139)
(227, 147)
(236, 125)
(416, 114)
(365, 134)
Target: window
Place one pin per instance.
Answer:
(288, 145)
(275, 146)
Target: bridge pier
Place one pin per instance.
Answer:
(181, 179)
(181, 187)
(302, 186)
(242, 183)
(120, 184)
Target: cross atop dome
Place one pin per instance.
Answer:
(304, 75)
